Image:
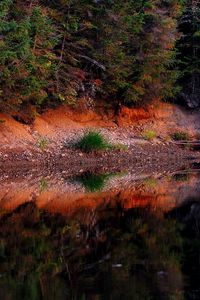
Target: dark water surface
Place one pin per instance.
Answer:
(101, 236)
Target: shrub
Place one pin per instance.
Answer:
(92, 141)
(180, 136)
(149, 135)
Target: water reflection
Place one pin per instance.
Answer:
(119, 254)
(139, 240)
(93, 182)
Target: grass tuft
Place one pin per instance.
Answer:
(149, 135)
(180, 136)
(42, 142)
(92, 141)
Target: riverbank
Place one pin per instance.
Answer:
(142, 157)
(49, 140)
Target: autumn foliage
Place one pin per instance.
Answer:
(55, 52)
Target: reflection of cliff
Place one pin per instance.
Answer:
(67, 196)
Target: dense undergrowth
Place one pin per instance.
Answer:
(55, 52)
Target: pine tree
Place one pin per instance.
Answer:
(60, 51)
(26, 58)
(189, 54)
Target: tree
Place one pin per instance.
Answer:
(60, 51)
(26, 58)
(189, 54)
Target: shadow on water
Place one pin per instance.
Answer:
(125, 248)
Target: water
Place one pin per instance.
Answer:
(100, 236)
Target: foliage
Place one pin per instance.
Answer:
(92, 141)
(180, 136)
(189, 54)
(42, 142)
(59, 51)
(149, 135)
(27, 61)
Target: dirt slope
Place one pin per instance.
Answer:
(65, 125)
(61, 123)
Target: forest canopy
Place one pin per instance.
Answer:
(132, 51)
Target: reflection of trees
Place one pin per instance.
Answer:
(117, 254)
(148, 248)
(188, 214)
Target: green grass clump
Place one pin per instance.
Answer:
(180, 136)
(42, 143)
(149, 135)
(92, 141)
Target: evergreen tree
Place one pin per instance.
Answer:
(189, 54)
(26, 57)
(62, 50)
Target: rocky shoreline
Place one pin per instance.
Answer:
(146, 156)
(47, 144)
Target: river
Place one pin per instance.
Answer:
(95, 236)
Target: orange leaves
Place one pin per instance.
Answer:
(97, 82)
(80, 74)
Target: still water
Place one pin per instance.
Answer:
(101, 236)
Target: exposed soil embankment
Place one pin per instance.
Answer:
(49, 139)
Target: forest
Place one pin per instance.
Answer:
(127, 52)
